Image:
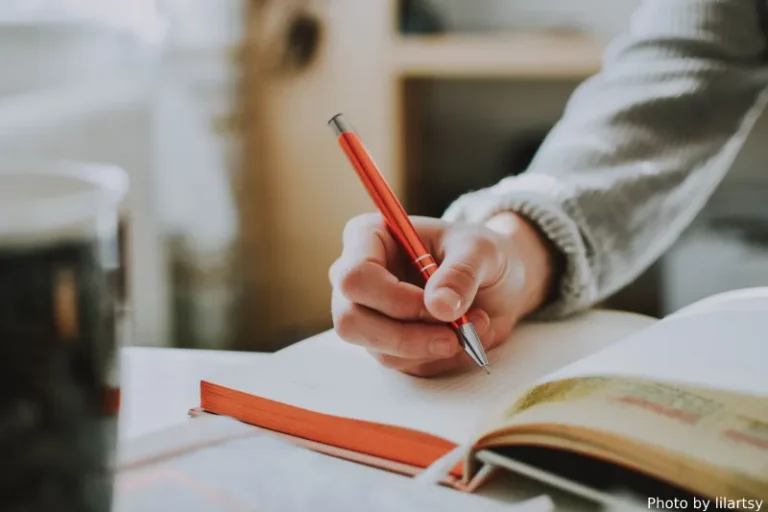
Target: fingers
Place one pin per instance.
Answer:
(425, 368)
(363, 326)
(371, 285)
(365, 238)
(404, 326)
(414, 342)
(471, 261)
(432, 367)
(363, 272)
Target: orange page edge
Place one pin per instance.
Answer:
(401, 446)
(358, 458)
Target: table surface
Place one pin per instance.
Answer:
(160, 385)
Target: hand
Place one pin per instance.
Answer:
(497, 273)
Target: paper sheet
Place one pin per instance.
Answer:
(724, 348)
(264, 474)
(327, 375)
(749, 299)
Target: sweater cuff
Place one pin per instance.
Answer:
(548, 205)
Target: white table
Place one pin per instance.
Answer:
(160, 385)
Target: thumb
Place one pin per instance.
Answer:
(468, 264)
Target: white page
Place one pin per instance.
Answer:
(327, 375)
(713, 347)
(261, 473)
(750, 299)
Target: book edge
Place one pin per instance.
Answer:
(352, 456)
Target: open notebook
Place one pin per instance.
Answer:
(682, 401)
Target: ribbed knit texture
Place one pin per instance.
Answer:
(641, 146)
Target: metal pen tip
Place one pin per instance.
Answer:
(486, 370)
(472, 345)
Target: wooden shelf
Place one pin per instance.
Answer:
(521, 56)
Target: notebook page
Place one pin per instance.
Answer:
(717, 347)
(749, 299)
(327, 375)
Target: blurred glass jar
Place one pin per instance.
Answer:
(59, 297)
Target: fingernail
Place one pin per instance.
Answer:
(441, 347)
(448, 297)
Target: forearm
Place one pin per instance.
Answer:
(641, 146)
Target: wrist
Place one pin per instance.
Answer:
(529, 249)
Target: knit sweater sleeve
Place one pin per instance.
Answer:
(641, 146)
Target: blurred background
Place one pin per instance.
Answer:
(239, 194)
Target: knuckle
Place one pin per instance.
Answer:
(401, 344)
(345, 320)
(489, 250)
(362, 222)
(418, 370)
(386, 360)
(405, 310)
(424, 315)
(466, 272)
(484, 244)
(333, 272)
(351, 281)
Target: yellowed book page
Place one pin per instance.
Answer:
(724, 429)
(327, 375)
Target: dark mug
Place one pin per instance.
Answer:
(59, 270)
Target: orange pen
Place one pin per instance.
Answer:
(400, 226)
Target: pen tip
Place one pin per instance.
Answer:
(486, 370)
(472, 344)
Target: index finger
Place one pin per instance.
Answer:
(366, 237)
(363, 242)
(364, 272)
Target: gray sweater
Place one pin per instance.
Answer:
(641, 146)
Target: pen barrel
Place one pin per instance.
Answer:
(397, 220)
(459, 322)
(382, 195)
(426, 265)
(399, 224)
